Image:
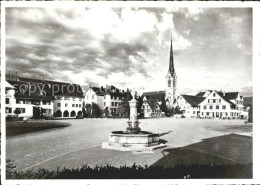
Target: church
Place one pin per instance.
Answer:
(152, 101)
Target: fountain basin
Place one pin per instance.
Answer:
(119, 140)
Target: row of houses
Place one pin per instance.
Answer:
(213, 104)
(36, 98)
(42, 98)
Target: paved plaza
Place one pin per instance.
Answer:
(79, 144)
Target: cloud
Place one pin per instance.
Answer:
(129, 47)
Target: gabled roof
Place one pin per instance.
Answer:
(229, 95)
(225, 98)
(152, 103)
(112, 90)
(8, 85)
(155, 95)
(98, 91)
(200, 94)
(193, 100)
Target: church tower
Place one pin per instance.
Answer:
(171, 81)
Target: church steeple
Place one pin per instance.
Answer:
(171, 66)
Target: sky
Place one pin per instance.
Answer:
(130, 47)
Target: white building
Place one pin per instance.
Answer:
(213, 104)
(109, 97)
(189, 105)
(151, 108)
(42, 98)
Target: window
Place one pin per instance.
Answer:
(8, 110)
(22, 110)
(79, 105)
(205, 107)
(112, 103)
(66, 105)
(169, 83)
(224, 107)
(6, 100)
(45, 102)
(207, 113)
(202, 113)
(214, 94)
(92, 96)
(112, 97)
(217, 106)
(58, 104)
(73, 105)
(214, 101)
(73, 99)
(104, 103)
(194, 112)
(210, 107)
(208, 100)
(80, 99)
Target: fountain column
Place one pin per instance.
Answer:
(133, 124)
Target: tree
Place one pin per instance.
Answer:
(17, 112)
(163, 105)
(106, 112)
(139, 104)
(125, 108)
(88, 110)
(96, 111)
(169, 112)
(177, 110)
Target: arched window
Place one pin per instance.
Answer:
(169, 83)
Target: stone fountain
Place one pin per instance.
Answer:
(133, 139)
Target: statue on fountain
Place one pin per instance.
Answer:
(133, 123)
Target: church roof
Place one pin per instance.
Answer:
(193, 100)
(155, 95)
(171, 64)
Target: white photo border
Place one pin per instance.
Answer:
(154, 4)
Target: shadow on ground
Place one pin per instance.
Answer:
(213, 151)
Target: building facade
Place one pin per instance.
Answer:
(109, 97)
(213, 104)
(37, 98)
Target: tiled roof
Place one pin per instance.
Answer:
(193, 100)
(52, 88)
(225, 98)
(31, 90)
(112, 90)
(200, 94)
(229, 95)
(155, 95)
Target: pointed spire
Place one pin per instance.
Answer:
(171, 66)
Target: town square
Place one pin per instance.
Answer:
(128, 93)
